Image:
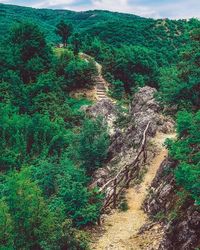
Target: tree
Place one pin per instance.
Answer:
(34, 224)
(117, 89)
(180, 84)
(66, 187)
(93, 144)
(80, 73)
(64, 30)
(76, 42)
(23, 137)
(6, 227)
(28, 51)
(185, 150)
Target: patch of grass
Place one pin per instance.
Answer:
(123, 206)
(159, 216)
(176, 211)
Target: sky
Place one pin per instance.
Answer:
(174, 9)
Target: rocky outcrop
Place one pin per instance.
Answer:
(180, 216)
(144, 108)
(125, 141)
(106, 109)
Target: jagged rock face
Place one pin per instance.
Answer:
(143, 109)
(106, 109)
(125, 142)
(100, 177)
(164, 185)
(183, 232)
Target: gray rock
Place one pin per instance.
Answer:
(183, 232)
(104, 108)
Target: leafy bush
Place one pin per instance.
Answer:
(93, 144)
(186, 151)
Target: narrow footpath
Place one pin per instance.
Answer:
(121, 228)
(101, 86)
(101, 91)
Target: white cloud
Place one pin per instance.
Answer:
(124, 6)
(52, 4)
(179, 9)
(147, 8)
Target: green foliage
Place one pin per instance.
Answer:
(79, 74)
(65, 185)
(24, 137)
(134, 66)
(179, 85)
(123, 206)
(64, 30)
(43, 204)
(28, 51)
(186, 151)
(93, 144)
(32, 221)
(76, 43)
(117, 89)
(6, 227)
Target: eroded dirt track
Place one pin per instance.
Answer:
(121, 228)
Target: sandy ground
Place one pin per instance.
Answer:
(121, 228)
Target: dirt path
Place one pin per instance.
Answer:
(101, 86)
(121, 227)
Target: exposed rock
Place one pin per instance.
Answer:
(182, 231)
(99, 177)
(143, 109)
(106, 109)
(125, 142)
(166, 124)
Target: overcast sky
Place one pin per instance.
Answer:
(148, 8)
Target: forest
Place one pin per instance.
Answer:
(49, 148)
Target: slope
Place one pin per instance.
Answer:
(111, 27)
(121, 228)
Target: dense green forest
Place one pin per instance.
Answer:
(49, 149)
(131, 48)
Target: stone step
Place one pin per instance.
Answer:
(102, 95)
(101, 81)
(100, 87)
(101, 91)
(101, 84)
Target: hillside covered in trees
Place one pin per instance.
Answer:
(49, 147)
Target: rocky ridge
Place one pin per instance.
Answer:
(178, 213)
(125, 141)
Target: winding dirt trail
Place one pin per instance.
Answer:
(121, 227)
(101, 86)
